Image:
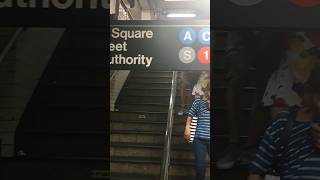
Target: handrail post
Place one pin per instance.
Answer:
(164, 174)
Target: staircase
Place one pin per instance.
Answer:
(138, 128)
(62, 133)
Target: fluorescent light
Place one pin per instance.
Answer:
(177, 0)
(181, 15)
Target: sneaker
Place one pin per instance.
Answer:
(230, 158)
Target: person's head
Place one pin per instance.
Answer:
(311, 98)
(204, 74)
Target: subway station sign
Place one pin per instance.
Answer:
(160, 45)
(287, 14)
(54, 13)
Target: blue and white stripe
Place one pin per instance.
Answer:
(200, 110)
(300, 161)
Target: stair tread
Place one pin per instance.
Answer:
(136, 132)
(133, 76)
(149, 145)
(162, 122)
(122, 176)
(148, 82)
(142, 103)
(149, 77)
(136, 112)
(138, 121)
(135, 159)
(145, 88)
(145, 112)
(146, 95)
(151, 160)
(142, 132)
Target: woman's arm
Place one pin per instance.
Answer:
(255, 177)
(187, 131)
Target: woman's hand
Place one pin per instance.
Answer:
(316, 134)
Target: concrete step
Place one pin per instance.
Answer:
(149, 107)
(159, 85)
(144, 92)
(145, 125)
(148, 166)
(138, 150)
(126, 176)
(122, 176)
(136, 116)
(148, 80)
(185, 168)
(134, 136)
(148, 99)
(154, 74)
(141, 125)
(182, 152)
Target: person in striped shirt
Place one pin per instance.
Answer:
(201, 143)
(297, 157)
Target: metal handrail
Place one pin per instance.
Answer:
(11, 42)
(113, 74)
(164, 174)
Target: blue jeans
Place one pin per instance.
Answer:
(200, 148)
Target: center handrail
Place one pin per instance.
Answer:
(164, 174)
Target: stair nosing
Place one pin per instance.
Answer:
(137, 121)
(136, 103)
(149, 145)
(146, 112)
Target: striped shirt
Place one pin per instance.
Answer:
(299, 160)
(200, 110)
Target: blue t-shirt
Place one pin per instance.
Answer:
(299, 161)
(201, 110)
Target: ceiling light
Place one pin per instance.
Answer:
(181, 15)
(177, 0)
